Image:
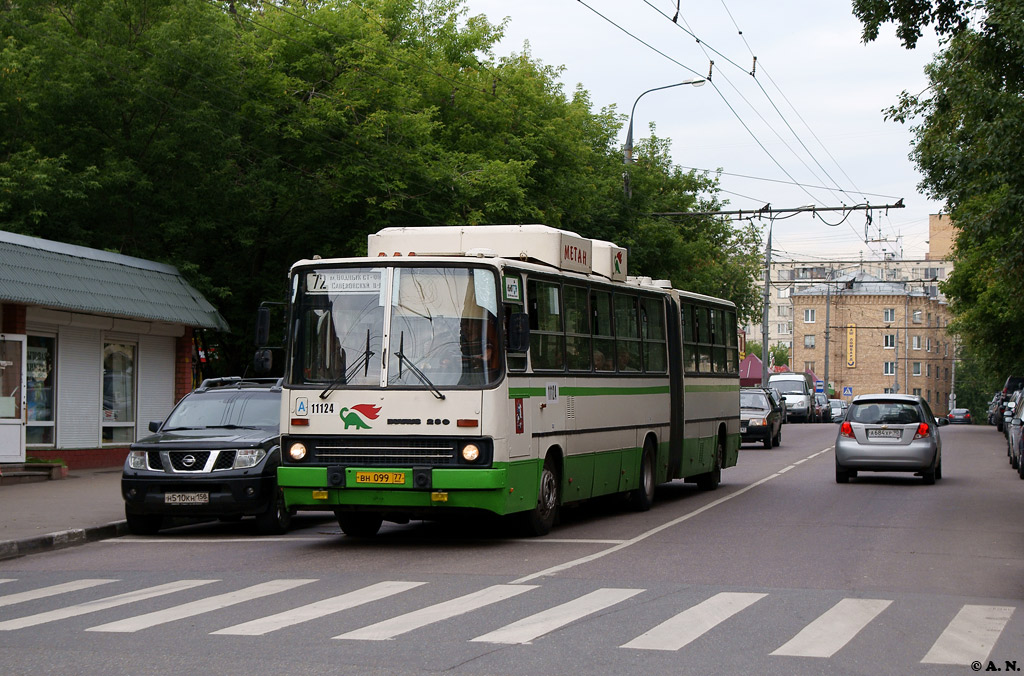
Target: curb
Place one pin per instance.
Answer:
(11, 549)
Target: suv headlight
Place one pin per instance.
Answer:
(248, 457)
(137, 459)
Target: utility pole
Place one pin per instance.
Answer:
(828, 322)
(764, 316)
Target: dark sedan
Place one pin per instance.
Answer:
(959, 416)
(760, 418)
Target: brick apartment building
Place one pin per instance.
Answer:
(875, 336)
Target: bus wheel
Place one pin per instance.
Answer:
(359, 524)
(540, 519)
(641, 498)
(709, 480)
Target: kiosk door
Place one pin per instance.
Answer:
(12, 398)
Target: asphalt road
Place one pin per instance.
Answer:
(780, 571)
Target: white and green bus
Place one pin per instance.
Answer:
(506, 368)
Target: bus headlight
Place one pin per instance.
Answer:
(297, 451)
(470, 452)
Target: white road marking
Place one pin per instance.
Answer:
(530, 628)
(265, 625)
(836, 627)
(970, 636)
(101, 604)
(692, 623)
(43, 592)
(133, 624)
(388, 629)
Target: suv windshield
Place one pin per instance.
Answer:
(226, 408)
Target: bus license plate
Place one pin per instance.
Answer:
(380, 478)
(186, 498)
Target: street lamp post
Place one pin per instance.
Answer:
(628, 151)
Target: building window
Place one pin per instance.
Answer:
(889, 368)
(40, 378)
(917, 391)
(889, 341)
(118, 412)
(927, 370)
(928, 395)
(915, 342)
(888, 390)
(809, 342)
(889, 314)
(783, 310)
(785, 328)
(917, 316)
(917, 368)
(929, 319)
(785, 292)
(809, 316)
(808, 367)
(928, 345)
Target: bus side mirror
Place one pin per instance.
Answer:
(262, 326)
(518, 332)
(263, 361)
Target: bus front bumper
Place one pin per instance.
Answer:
(408, 490)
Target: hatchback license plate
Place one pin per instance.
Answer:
(186, 498)
(380, 478)
(885, 434)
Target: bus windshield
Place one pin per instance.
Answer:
(440, 324)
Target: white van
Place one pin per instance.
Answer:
(797, 389)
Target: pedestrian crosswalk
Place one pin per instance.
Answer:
(967, 635)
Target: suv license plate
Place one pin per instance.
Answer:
(380, 478)
(186, 498)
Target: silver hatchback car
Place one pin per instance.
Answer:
(889, 433)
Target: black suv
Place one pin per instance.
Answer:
(216, 456)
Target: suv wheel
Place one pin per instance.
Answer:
(276, 519)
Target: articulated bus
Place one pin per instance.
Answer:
(505, 368)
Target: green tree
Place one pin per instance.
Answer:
(969, 127)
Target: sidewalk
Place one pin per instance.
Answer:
(84, 507)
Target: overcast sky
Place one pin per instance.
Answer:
(829, 87)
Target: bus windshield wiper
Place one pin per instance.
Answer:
(346, 373)
(402, 359)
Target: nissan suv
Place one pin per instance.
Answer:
(215, 456)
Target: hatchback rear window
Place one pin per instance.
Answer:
(885, 412)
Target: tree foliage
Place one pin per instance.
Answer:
(969, 127)
(232, 138)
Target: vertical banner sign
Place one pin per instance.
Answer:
(851, 345)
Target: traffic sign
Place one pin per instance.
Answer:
(847, 390)
(819, 385)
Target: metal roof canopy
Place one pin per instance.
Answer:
(62, 276)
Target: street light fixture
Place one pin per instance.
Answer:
(628, 151)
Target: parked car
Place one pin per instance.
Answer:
(1008, 409)
(889, 433)
(838, 408)
(1012, 385)
(216, 455)
(1013, 437)
(822, 408)
(993, 408)
(760, 417)
(780, 401)
(959, 416)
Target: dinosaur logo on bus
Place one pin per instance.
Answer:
(354, 417)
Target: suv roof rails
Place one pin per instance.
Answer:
(238, 382)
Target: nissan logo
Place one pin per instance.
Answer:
(188, 460)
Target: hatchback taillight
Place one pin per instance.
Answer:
(846, 429)
(922, 431)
